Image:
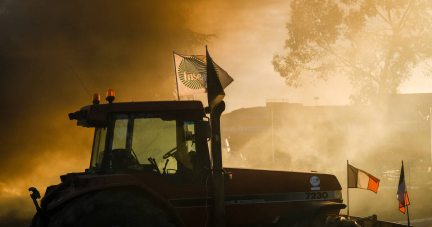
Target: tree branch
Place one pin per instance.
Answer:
(382, 16)
(405, 15)
(347, 63)
(324, 67)
(375, 33)
(389, 13)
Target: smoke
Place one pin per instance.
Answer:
(126, 46)
(322, 138)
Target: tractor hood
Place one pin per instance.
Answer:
(260, 181)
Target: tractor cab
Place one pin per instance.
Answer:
(166, 137)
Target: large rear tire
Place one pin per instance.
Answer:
(120, 208)
(36, 221)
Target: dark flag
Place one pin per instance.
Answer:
(215, 91)
(402, 194)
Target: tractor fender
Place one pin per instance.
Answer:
(323, 206)
(70, 191)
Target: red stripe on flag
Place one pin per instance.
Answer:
(402, 208)
(373, 183)
(406, 199)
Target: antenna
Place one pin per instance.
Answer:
(80, 80)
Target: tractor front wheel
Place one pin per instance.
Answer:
(120, 208)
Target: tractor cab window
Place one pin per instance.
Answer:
(167, 143)
(146, 142)
(152, 138)
(120, 133)
(98, 147)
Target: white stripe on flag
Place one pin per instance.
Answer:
(363, 180)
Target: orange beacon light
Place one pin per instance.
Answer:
(110, 95)
(96, 98)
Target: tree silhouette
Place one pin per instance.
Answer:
(376, 43)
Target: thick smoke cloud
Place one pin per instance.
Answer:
(123, 45)
(127, 46)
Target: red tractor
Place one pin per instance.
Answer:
(151, 166)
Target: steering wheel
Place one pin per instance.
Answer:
(170, 153)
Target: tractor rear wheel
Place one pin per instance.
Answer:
(111, 208)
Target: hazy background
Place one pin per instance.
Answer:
(323, 138)
(126, 46)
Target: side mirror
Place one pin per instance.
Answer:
(203, 129)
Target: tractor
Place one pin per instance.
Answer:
(151, 166)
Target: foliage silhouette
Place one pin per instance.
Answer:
(376, 43)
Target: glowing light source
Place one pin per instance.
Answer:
(96, 98)
(110, 95)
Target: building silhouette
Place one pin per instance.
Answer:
(291, 136)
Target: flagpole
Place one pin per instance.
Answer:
(430, 125)
(178, 92)
(347, 191)
(408, 216)
(272, 134)
(406, 191)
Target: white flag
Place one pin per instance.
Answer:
(191, 74)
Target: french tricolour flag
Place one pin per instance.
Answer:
(402, 194)
(358, 178)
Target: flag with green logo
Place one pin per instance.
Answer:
(191, 73)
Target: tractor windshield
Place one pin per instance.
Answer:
(145, 141)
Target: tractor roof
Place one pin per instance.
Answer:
(97, 115)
